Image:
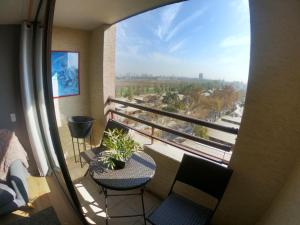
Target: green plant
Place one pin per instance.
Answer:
(120, 146)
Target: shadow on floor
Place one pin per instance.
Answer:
(92, 200)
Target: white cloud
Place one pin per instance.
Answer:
(241, 8)
(121, 33)
(129, 42)
(232, 41)
(167, 16)
(139, 52)
(231, 66)
(175, 47)
(240, 5)
(183, 23)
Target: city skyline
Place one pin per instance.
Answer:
(188, 38)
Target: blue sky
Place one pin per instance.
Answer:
(184, 39)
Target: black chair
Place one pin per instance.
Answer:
(204, 175)
(93, 153)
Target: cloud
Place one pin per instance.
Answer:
(129, 41)
(241, 8)
(232, 41)
(151, 45)
(240, 5)
(167, 17)
(183, 23)
(175, 47)
(121, 33)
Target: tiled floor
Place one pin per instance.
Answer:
(92, 201)
(75, 170)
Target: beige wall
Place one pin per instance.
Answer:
(268, 145)
(97, 58)
(95, 84)
(102, 74)
(109, 67)
(65, 39)
(285, 207)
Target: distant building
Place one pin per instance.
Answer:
(200, 76)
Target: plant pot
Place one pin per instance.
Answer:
(80, 126)
(119, 164)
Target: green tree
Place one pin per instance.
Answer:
(171, 98)
(129, 93)
(157, 89)
(200, 131)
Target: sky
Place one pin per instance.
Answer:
(184, 39)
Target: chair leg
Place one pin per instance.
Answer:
(143, 205)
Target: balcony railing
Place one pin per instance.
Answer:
(220, 146)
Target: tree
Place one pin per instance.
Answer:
(129, 93)
(171, 98)
(200, 131)
(157, 89)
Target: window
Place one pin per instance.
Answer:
(190, 58)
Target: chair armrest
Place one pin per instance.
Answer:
(18, 179)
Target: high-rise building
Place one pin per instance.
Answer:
(200, 76)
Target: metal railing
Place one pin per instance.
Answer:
(214, 144)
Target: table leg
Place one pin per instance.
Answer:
(91, 147)
(78, 148)
(84, 145)
(74, 150)
(143, 205)
(106, 204)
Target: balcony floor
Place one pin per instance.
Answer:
(92, 201)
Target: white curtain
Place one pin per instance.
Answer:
(39, 63)
(28, 98)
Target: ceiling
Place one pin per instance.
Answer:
(16, 11)
(89, 14)
(80, 14)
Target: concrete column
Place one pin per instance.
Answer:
(267, 147)
(102, 75)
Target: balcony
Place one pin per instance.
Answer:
(216, 149)
(166, 153)
(166, 144)
(265, 184)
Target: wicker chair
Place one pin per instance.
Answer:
(92, 154)
(201, 174)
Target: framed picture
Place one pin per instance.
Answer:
(65, 73)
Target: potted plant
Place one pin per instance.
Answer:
(120, 147)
